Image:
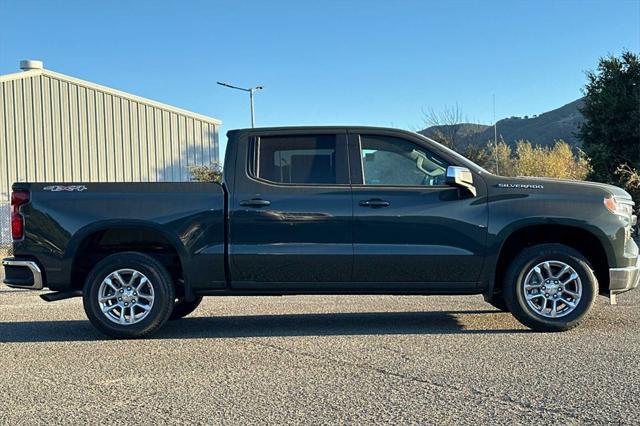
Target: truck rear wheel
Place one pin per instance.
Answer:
(182, 308)
(550, 287)
(128, 295)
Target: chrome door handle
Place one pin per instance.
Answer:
(375, 203)
(255, 202)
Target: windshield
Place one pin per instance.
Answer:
(464, 160)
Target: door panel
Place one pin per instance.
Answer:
(423, 235)
(405, 232)
(285, 231)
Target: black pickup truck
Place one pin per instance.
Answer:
(325, 210)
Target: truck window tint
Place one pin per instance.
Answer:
(299, 160)
(394, 161)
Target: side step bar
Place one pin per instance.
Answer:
(60, 295)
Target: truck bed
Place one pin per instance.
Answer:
(65, 222)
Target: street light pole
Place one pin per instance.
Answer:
(251, 91)
(253, 113)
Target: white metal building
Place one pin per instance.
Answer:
(56, 128)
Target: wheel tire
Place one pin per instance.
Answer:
(158, 279)
(513, 286)
(499, 303)
(182, 308)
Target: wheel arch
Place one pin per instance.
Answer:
(98, 240)
(586, 241)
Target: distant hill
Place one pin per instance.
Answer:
(542, 129)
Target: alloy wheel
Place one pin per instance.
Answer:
(125, 296)
(552, 289)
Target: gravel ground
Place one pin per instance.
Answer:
(319, 359)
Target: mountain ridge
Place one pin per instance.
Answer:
(543, 129)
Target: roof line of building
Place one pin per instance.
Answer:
(108, 90)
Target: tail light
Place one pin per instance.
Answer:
(18, 198)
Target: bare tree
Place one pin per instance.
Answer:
(447, 122)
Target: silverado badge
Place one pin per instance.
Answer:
(520, 185)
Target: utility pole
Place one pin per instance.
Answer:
(251, 91)
(495, 132)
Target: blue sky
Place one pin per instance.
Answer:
(330, 62)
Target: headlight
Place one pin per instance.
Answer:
(623, 207)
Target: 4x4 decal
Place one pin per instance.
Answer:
(67, 188)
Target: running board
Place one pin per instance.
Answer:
(60, 295)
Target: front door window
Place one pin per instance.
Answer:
(391, 161)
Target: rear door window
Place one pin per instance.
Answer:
(301, 160)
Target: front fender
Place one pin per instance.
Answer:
(496, 241)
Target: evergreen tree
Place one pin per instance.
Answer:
(611, 133)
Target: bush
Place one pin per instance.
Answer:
(558, 161)
(206, 173)
(629, 178)
(501, 159)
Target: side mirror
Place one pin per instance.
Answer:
(461, 177)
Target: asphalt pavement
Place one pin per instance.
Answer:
(320, 360)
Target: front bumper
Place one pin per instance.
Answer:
(623, 279)
(22, 274)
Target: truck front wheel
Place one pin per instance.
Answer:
(550, 287)
(128, 295)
